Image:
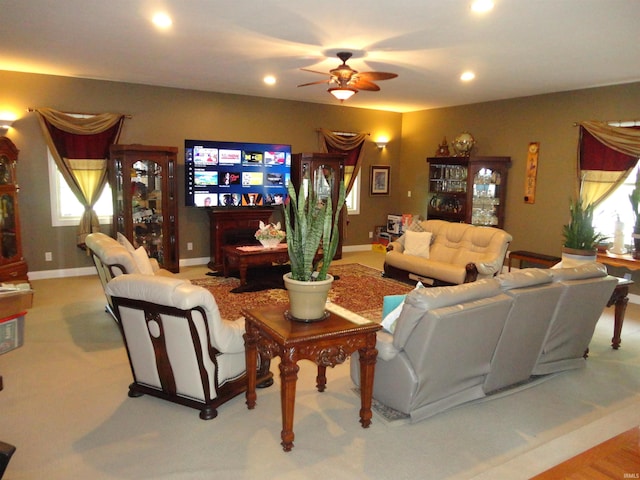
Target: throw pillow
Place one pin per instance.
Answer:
(142, 261)
(417, 243)
(124, 241)
(391, 309)
(416, 226)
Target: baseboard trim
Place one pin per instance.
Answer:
(356, 248)
(187, 262)
(84, 271)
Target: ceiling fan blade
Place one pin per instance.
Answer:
(315, 83)
(377, 75)
(315, 71)
(362, 84)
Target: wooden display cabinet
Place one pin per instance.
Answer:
(322, 172)
(12, 266)
(468, 189)
(145, 199)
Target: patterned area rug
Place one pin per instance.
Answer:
(359, 288)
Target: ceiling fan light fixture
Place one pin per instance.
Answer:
(342, 93)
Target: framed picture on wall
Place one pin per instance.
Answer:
(379, 180)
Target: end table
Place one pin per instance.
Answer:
(326, 343)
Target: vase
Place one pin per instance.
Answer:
(307, 300)
(573, 257)
(270, 243)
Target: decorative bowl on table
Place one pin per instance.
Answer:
(270, 235)
(270, 243)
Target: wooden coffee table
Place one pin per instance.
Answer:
(326, 343)
(243, 257)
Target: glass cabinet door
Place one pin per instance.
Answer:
(8, 226)
(146, 207)
(486, 197)
(324, 180)
(6, 177)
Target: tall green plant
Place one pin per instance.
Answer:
(310, 221)
(634, 198)
(579, 233)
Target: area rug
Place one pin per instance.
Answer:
(358, 288)
(390, 415)
(259, 278)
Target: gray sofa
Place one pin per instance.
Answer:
(446, 253)
(455, 344)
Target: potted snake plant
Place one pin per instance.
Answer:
(580, 236)
(310, 222)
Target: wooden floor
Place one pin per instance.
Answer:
(617, 458)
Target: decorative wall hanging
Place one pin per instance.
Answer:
(531, 173)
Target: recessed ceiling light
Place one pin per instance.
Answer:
(162, 20)
(481, 6)
(467, 76)
(269, 80)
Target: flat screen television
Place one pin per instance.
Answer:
(236, 175)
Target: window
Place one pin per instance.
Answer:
(617, 205)
(353, 199)
(66, 210)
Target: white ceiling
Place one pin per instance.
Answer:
(521, 48)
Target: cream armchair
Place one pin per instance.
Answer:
(179, 347)
(113, 258)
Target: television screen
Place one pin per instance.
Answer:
(235, 175)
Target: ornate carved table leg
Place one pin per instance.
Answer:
(243, 272)
(288, 376)
(368, 356)
(321, 379)
(251, 359)
(619, 298)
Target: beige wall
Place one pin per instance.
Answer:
(506, 128)
(164, 116)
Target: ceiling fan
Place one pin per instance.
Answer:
(349, 81)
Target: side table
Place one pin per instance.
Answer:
(326, 343)
(619, 298)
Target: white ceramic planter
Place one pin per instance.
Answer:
(307, 299)
(572, 257)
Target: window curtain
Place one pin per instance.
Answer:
(80, 148)
(606, 156)
(351, 144)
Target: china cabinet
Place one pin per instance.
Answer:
(145, 199)
(12, 265)
(468, 189)
(322, 172)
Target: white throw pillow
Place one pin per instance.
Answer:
(124, 241)
(142, 261)
(390, 319)
(417, 243)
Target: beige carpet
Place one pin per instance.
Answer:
(65, 407)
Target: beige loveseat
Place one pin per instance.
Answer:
(454, 344)
(446, 253)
